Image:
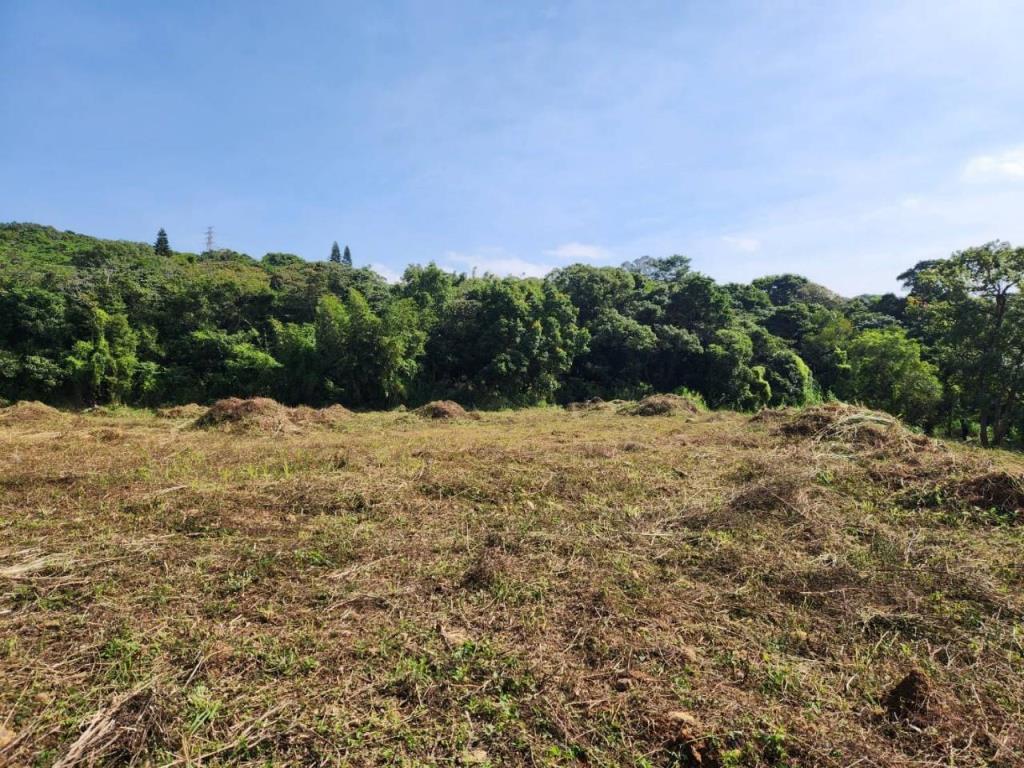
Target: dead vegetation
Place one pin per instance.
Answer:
(534, 589)
(331, 416)
(917, 470)
(28, 412)
(444, 410)
(190, 411)
(593, 404)
(996, 489)
(660, 405)
(264, 415)
(841, 423)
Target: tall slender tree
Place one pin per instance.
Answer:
(162, 247)
(336, 253)
(347, 258)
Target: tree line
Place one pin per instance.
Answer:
(86, 321)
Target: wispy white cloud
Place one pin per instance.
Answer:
(859, 246)
(1006, 165)
(742, 244)
(389, 274)
(501, 262)
(573, 252)
(496, 261)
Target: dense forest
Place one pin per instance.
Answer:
(85, 321)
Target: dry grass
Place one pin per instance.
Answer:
(263, 415)
(529, 588)
(660, 405)
(593, 404)
(28, 412)
(190, 411)
(444, 410)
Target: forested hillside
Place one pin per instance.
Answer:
(85, 321)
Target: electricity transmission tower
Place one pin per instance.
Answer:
(209, 239)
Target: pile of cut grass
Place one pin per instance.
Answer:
(29, 412)
(264, 415)
(443, 410)
(913, 468)
(660, 405)
(593, 404)
(190, 411)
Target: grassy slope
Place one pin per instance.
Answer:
(539, 587)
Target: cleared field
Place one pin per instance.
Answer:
(540, 587)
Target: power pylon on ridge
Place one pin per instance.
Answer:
(209, 239)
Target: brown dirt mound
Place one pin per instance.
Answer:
(685, 744)
(484, 571)
(28, 412)
(187, 411)
(997, 489)
(257, 414)
(915, 700)
(442, 409)
(660, 405)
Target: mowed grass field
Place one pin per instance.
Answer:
(540, 587)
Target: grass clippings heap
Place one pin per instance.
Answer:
(593, 404)
(525, 592)
(842, 423)
(190, 411)
(917, 470)
(29, 412)
(995, 489)
(255, 414)
(443, 410)
(264, 415)
(331, 416)
(660, 405)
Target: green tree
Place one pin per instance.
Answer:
(617, 360)
(887, 372)
(824, 350)
(273, 260)
(970, 308)
(789, 377)
(729, 376)
(210, 363)
(103, 367)
(335, 253)
(667, 270)
(161, 247)
(430, 288)
(346, 258)
(504, 342)
(595, 290)
(299, 378)
(790, 289)
(331, 338)
(367, 359)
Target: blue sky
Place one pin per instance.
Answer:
(841, 140)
